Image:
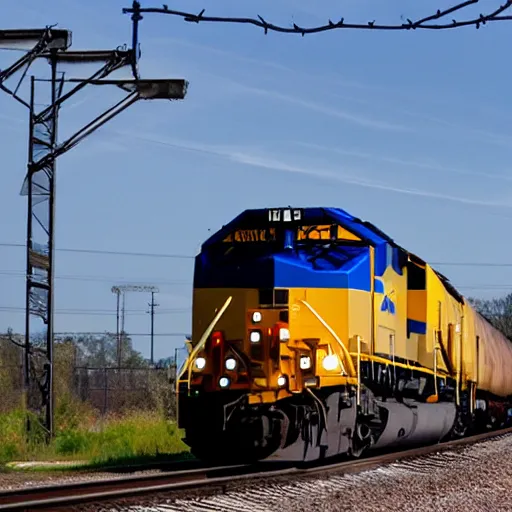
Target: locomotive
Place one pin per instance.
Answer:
(315, 335)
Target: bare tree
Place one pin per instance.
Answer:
(498, 311)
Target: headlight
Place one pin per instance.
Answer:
(284, 334)
(330, 363)
(230, 364)
(256, 317)
(255, 336)
(223, 382)
(305, 362)
(281, 381)
(200, 363)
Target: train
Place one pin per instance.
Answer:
(315, 335)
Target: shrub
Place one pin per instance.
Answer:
(81, 436)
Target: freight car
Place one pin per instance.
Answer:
(314, 334)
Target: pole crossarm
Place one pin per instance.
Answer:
(134, 288)
(172, 89)
(114, 60)
(45, 39)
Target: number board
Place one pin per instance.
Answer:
(284, 214)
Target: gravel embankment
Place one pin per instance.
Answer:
(21, 479)
(477, 478)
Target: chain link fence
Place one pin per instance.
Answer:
(11, 376)
(112, 390)
(106, 389)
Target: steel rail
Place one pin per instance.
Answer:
(54, 497)
(23, 496)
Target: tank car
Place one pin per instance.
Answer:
(314, 335)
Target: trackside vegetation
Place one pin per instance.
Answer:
(134, 423)
(83, 436)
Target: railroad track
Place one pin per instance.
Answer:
(71, 494)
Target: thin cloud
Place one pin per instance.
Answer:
(350, 180)
(220, 52)
(465, 130)
(408, 163)
(359, 119)
(260, 62)
(264, 162)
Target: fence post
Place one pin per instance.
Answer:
(105, 398)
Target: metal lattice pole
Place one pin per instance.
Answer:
(40, 182)
(39, 187)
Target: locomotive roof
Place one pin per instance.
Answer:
(260, 217)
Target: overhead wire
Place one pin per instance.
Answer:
(20, 273)
(130, 334)
(112, 253)
(99, 312)
(190, 257)
(158, 281)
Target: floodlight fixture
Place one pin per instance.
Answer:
(55, 39)
(164, 89)
(83, 56)
(149, 89)
(41, 40)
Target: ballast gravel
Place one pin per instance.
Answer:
(11, 480)
(475, 478)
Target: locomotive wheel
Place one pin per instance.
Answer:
(361, 440)
(231, 447)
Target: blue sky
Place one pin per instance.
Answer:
(408, 130)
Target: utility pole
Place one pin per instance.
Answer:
(44, 149)
(120, 291)
(118, 332)
(151, 311)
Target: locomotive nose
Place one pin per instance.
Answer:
(253, 351)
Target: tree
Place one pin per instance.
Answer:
(100, 351)
(497, 311)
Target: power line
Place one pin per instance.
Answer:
(486, 287)
(189, 283)
(470, 264)
(422, 23)
(19, 273)
(103, 333)
(111, 253)
(99, 312)
(189, 257)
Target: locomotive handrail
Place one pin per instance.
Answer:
(202, 342)
(383, 360)
(344, 349)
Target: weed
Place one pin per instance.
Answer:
(82, 436)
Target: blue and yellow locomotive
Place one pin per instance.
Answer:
(314, 335)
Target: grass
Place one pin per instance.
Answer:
(132, 438)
